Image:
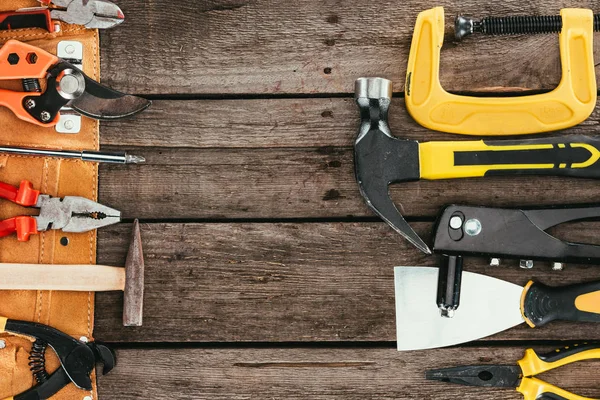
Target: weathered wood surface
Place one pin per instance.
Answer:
(299, 183)
(288, 158)
(253, 120)
(317, 373)
(311, 46)
(270, 123)
(291, 282)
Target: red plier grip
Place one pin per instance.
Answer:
(22, 226)
(23, 195)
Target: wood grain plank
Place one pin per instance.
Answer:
(299, 373)
(311, 46)
(267, 123)
(299, 183)
(291, 282)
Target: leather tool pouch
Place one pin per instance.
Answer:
(70, 312)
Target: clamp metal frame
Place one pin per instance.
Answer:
(569, 104)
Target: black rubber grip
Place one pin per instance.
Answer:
(562, 156)
(568, 351)
(544, 304)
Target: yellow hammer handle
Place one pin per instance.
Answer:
(575, 156)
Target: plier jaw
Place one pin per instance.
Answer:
(93, 14)
(73, 214)
(478, 375)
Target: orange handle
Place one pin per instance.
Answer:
(20, 60)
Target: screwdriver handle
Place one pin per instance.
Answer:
(574, 156)
(541, 304)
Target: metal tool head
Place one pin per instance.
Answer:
(133, 302)
(463, 26)
(104, 356)
(488, 306)
(68, 86)
(90, 98)
(478, 375)
(74, 214)
(93, 14)
(381, 159)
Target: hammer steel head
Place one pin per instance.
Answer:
(381, 159)
(133, 299)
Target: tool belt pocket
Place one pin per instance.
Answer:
(70, 312)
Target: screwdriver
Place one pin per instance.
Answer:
(92, 156)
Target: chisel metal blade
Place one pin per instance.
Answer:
(488, 306)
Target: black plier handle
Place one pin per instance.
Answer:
(77, 359)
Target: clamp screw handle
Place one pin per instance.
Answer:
(512, 25)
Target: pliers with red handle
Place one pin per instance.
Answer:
(94, 14)
(70, 214)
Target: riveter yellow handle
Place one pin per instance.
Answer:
(575, 156)
(532, 364)
(569, 104)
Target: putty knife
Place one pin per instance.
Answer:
(488, 306)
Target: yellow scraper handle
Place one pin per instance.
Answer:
(575, 156)
(569, 104)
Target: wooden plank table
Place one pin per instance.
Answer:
(267, 276)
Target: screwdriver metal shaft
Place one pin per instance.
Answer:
(92, 156)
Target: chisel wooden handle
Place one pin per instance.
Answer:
(574, 156)
(541, 304)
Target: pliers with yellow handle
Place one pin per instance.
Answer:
(521, 376)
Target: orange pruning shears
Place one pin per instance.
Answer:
(66, 85)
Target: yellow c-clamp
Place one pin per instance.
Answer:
(569, 104)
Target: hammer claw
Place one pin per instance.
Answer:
(388, 211)
(382, 159)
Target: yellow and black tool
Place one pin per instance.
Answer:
(569, 104)
(521, 376)
(382, 159)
